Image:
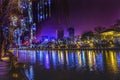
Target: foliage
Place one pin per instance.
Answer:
(87, 35)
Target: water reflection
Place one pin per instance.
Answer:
(30, 73)
(111, 61)
(97, 61)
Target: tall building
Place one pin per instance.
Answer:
(38, 11)
(60, 34)
(24, 16)
(71, 32)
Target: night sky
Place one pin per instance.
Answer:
(83, 15)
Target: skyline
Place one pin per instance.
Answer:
(83, 15)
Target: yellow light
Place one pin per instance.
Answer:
(15, 75)
(91, 45)
(111, 61)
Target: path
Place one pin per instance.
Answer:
(4, 71)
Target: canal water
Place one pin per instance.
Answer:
(70, 65)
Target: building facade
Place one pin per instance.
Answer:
(23, 16)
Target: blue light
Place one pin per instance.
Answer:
(49, 3)
(45, 3)
(118, 60)
(83, 58)
(22, 19)
(30, 20)
(40, 7)
(41, 17)
(99, 61)
(34, 28)
(23, 7)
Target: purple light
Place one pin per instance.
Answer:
(47, 62)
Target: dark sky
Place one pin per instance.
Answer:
(83, 15)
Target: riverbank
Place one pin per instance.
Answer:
(68, 48)
(70, 65)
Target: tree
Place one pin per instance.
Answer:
(116, 26)
(87, 35)
(99, 29)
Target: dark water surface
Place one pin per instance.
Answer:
(70, 65)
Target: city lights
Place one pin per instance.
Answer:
(59, 40)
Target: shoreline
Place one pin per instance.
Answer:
(67, 49)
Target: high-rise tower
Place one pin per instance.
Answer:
(23, 16)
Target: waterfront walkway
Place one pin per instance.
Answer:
(4, 71)
(9, 72)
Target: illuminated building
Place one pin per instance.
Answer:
(38, 10)
(110, 34)
(43, 9)
(23, 16)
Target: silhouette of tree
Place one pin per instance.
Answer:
(99, 29)
(87, 35)
(116, 26)
(118, 21)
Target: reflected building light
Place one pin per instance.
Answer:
(62, 57)
(79, 59)
(59, 57)
(41, 57)
(118, 60)
(71, 60)
(66, 52)
(111, 61)
(94, 59)
(99, 61)
(47, 61)
(30, 73)
(32, 56)
(83, 58)
(37, 56)
(55, 59)
(90, 63)
(22, 56)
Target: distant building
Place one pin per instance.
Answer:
(110, 34)
(44, 38)
(60, 34)
(71, 32)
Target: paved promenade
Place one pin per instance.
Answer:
(4, 71)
